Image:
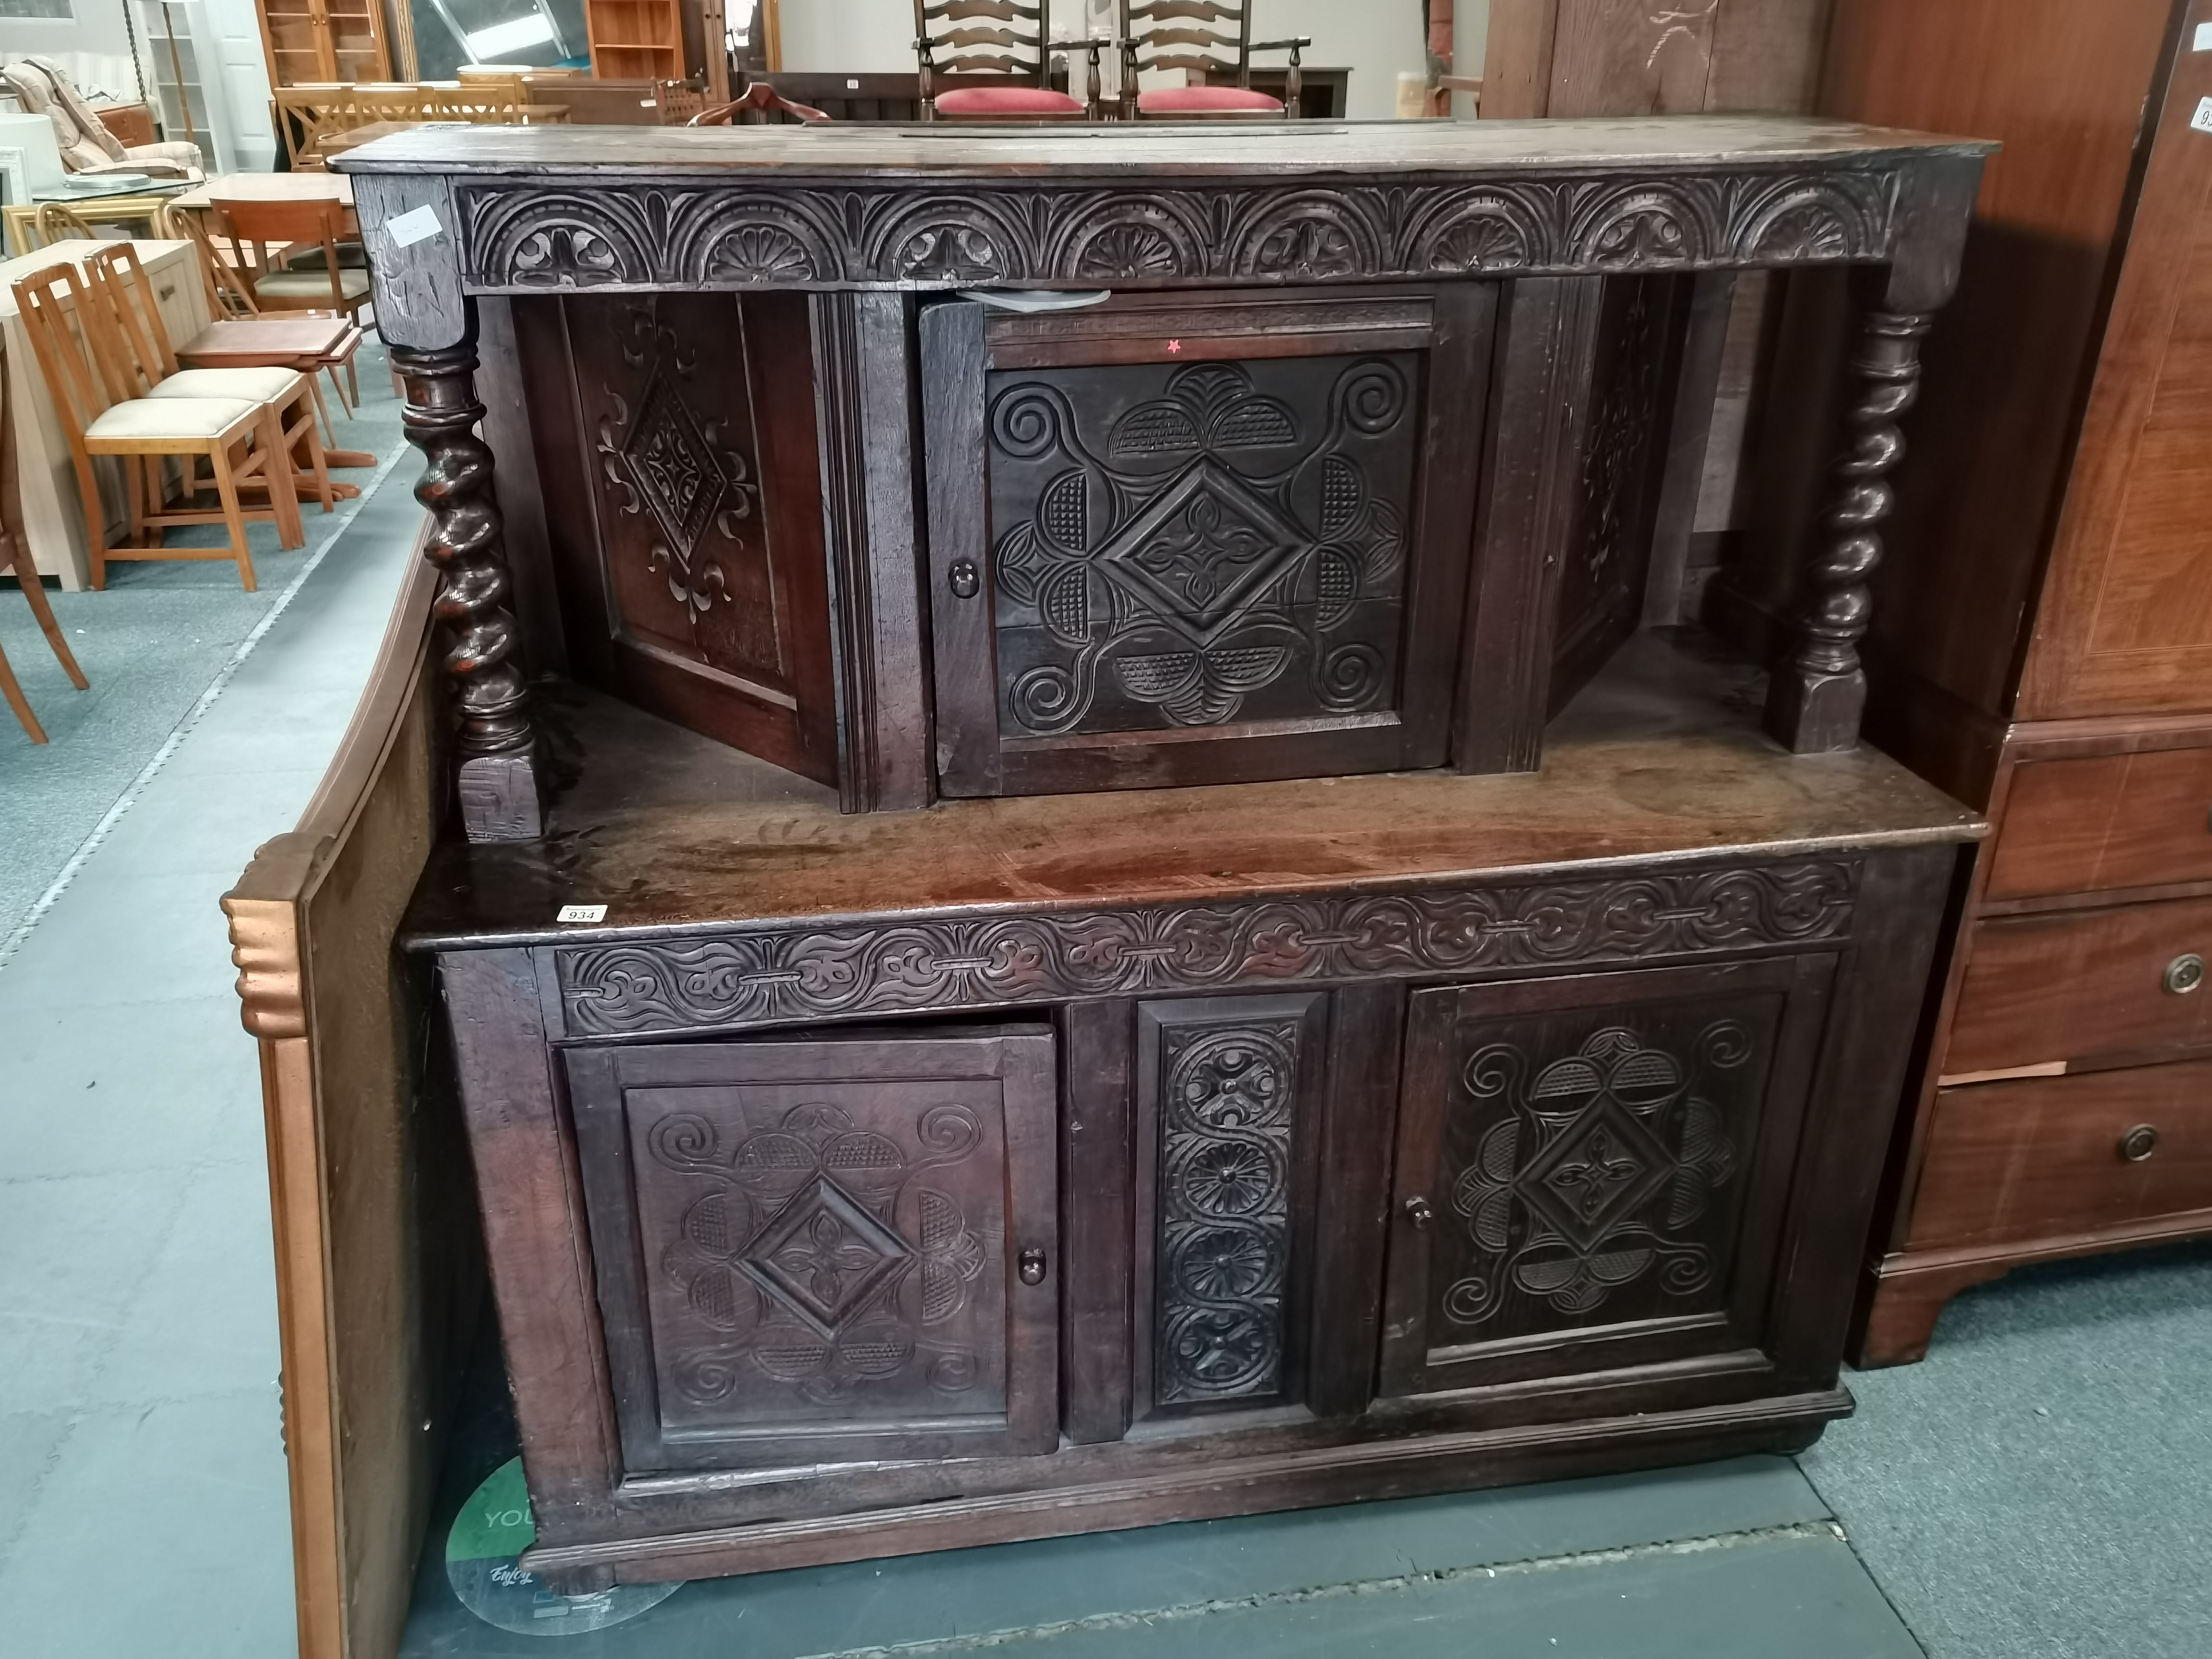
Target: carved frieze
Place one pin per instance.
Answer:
(795, 973)
(521, 238)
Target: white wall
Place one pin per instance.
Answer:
(1374, 39)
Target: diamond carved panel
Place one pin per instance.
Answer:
(1186, 546)
(1592, 1165)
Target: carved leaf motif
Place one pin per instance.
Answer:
(1063, 598)
(759, 253)
(1336, 583)
(782, 975)
(1608, 1154)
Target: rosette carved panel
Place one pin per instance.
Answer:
(1227, 1120)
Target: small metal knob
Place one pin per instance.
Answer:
(1418, 1212)
(2139, 1143)
(965, 578)
(2184, 973)
(1030, 1264)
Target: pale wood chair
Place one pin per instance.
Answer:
(241, 441)
(265, 237)
(16, 555)
(149, 367)
(55, 223)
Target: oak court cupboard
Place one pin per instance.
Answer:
(1109, 915)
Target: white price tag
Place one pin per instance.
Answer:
(582, 913)
(2202, 119)
(2203, 40)
(415, 225)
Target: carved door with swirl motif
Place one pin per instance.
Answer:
(1591, 1170)
(677, 449)
(1177, 540)
(824, 1251)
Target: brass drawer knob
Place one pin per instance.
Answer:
(2184, 973)
(1418, 1212)
(1030, 1264)
(2139, 1143)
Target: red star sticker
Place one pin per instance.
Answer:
(1174, 345)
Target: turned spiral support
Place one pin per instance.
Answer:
(1818, 692)
(496, 736)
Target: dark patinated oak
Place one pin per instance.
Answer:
(1670, 864)
(1181, 954)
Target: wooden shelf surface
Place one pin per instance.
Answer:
(1659, 758)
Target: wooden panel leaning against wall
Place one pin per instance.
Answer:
(2041, 630)
(378, 1264)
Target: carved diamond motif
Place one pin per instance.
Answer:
(824, 1256)
(1204, 551)
(1606, 1166)
(674, 466)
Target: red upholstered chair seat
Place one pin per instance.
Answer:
(1202, 101)
(1008, 100)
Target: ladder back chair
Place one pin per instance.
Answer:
(16, 555)
(150, 369)
(238, 439)
(265, 237)
(1174, 35)
(1003, 65)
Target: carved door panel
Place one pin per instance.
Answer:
(676, 447)
(1623, 464)
(1229, 1099)
(1591, 1170)
(824, 1251)
(1183, 541)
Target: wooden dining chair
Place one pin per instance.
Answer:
(15, 556)
(229, 292)
(150, 369)
(266, 237)
(1173, 34)
(54, 223)
(241, 441)
(1004, 62)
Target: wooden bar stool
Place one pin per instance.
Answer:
(150, 369)
(241, 441)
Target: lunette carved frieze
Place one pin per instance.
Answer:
(780, 975)
(518, 238)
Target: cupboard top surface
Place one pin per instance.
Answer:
(1660, 759)
(1643, 144)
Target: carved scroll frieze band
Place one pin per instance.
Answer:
(522, 239)
(785, 974)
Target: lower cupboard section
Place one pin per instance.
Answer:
(837, 1291)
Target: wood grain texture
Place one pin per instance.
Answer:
(2105, 823)
(863, 375)
(2014, 1163)
(1098, 1218)
(2126, 625)
(2061, 84)
(2080, 985)
(374, 1265)
(1650, 764)
(1531, 472)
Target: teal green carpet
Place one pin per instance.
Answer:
(152, 644)
(2040, 1485)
